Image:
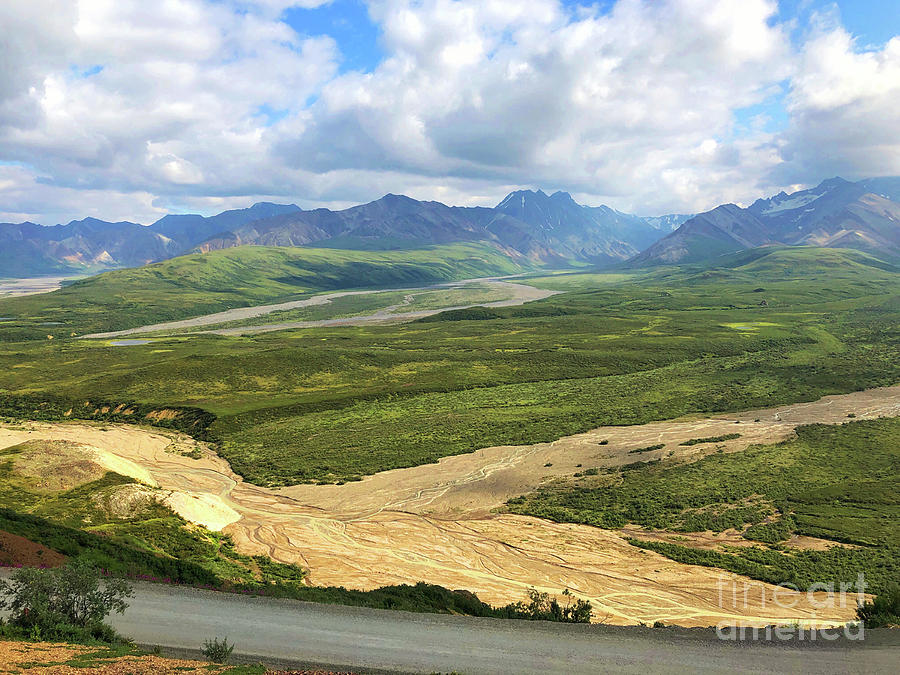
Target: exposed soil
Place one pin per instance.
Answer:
(16, 551)
(31, 285)
(57, 465)
(50, 658)
(434, 523)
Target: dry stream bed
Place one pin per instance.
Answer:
(436, 523)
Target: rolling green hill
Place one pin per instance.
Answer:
(330, 403)
(204, 283)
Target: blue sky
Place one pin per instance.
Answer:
(131, 109)
(348, 22)
(872, 22)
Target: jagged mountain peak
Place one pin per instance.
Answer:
(836, 213)
(525, 196)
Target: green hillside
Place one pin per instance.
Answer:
(834, 482)
(236, 277)
(331, 403)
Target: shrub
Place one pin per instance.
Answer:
(711, 439)
(217, 652)
(541, 607)
(67, 603)
(649, 448)
(884, 610)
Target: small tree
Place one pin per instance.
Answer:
(541, 607)
(72, 595)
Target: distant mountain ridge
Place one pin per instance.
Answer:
(28, 249)
(835, 214)
(526, 224)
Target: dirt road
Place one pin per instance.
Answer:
(433, 523)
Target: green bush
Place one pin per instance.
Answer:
(884, 610)
(649, 448)
(771, 533)
(66, 603)
(541, 607)
(711, 439)
(217, 652)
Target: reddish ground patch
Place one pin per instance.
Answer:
(49, 658)
(18, 551)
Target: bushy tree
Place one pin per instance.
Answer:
(884, 610)
(541, 607)
(53, 601)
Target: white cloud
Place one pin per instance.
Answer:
(200, 103)
(27, 195)
(160, 97)
(604, 105)
(845, 109)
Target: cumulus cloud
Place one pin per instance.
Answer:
(164, 98)
(610, 105)
(202, 104)
(845, 108)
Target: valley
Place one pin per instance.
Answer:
(444, 336)
(243, 321)
(494, 442)
(437, 523)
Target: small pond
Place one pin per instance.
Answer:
(128, 343)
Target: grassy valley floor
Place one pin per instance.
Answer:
(485, 390)
(333, 404)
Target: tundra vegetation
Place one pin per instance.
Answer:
(337, 403)
(331, 404)
(837, 483)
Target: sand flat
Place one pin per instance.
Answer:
(434, 523)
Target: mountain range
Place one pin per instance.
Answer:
(835, 214)
(528, 225)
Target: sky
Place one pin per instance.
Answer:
(128, 110)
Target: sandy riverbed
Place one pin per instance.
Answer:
(434, 523)
(519, 294)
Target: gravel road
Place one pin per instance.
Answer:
(380, 640)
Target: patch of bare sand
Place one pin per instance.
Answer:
(208, 510)
(434, 523)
